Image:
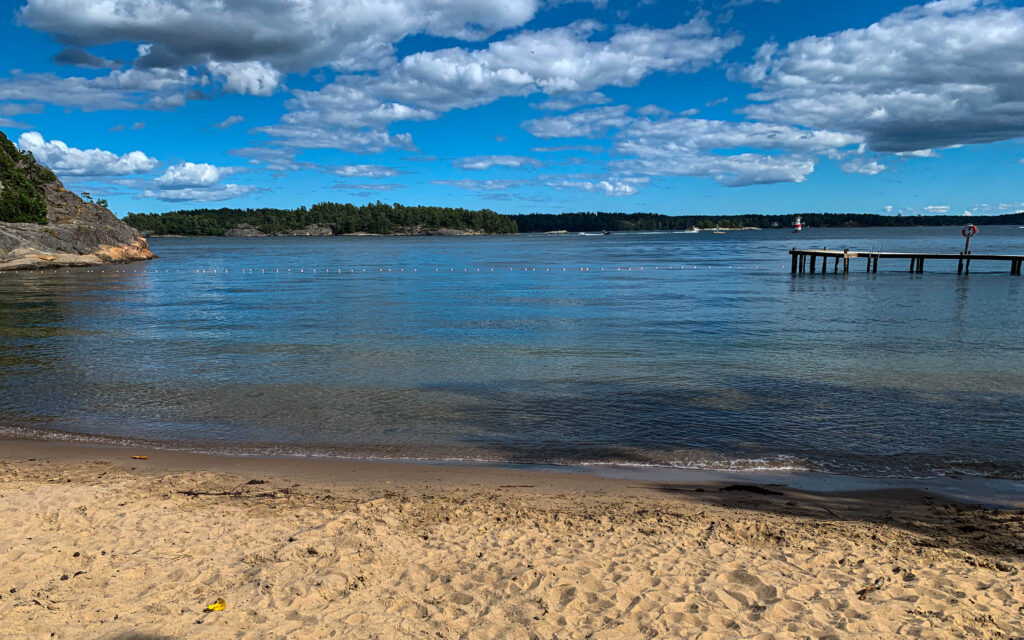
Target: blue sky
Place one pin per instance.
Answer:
(714, 106)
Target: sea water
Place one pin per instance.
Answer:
(678, 350)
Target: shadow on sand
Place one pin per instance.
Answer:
(996, 535)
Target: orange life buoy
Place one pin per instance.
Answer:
(969, 230)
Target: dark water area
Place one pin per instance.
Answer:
(694, 351)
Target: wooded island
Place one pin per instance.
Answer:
(331, 218)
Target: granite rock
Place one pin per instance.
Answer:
(77, 233)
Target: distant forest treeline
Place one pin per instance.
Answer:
(341, 218)
(384, 219)
(541, 222)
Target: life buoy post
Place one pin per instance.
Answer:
(968, 232)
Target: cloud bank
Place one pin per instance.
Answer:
(70, 161)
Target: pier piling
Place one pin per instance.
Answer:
(799, 260)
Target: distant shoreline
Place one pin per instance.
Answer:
(331, 218)
(557, 232)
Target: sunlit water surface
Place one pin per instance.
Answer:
(685, 350)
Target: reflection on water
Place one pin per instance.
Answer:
(674, 349)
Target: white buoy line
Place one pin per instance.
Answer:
(362, 270)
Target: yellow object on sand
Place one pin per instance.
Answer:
(219, 605)
(140, 457)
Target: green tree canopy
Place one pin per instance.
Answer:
(22, 197)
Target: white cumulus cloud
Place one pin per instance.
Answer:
(343, 118)
(214, 193)
(196, 182)
(997, 209)
(685, 146)
(364, 171)
(863, 167)
(354, 111)
(610, 187)
(560, 60)
(926, 77)
(286, 35)
(486, 162)
(738, 170)
(253, 77)
(192, 174)
(70, 161)
(129, 89)
(669, 136)
(588, 123)
(479, 185)
(229, 121)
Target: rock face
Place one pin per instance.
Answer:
(244, 231)
(311, 230)
(77, 233)
(441, 231)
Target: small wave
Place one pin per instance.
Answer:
(696, 460)
(780, 463)
(241, 450)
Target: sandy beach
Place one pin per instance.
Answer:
(95, 544)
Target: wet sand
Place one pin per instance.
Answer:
(95, 544)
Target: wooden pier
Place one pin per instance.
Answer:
(805, 260)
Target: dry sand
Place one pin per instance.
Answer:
(96, 545)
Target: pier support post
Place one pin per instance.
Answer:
(799, 259)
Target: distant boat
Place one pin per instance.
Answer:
(692, 230)
(718, 233)
(602, 233)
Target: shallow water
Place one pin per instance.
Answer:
(686, 350)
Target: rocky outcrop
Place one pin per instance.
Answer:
(441, 231)
(76, 233)
(311, 230)
(244, 231)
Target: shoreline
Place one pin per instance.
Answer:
(988, 492)
(463, 233)
(98, 544)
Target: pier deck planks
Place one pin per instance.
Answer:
(800, 262)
